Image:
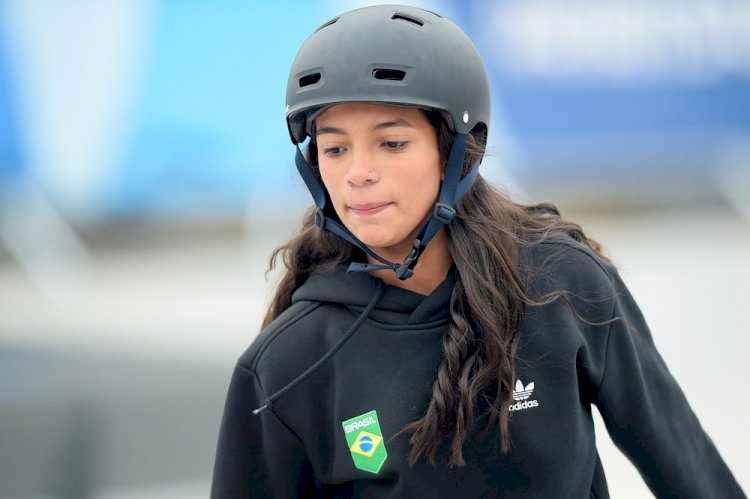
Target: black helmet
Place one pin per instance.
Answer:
(389, 54)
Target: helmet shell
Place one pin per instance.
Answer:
(390, 54)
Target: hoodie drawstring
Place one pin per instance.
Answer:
(349, 333)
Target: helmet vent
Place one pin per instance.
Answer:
(388, 74)
(325, 25)
(308, 80)
(408, 19)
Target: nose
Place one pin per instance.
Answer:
(361, 171)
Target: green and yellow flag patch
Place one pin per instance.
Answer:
(365, 441)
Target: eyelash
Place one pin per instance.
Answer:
(330, 151)
(390, 145)
(399, 145)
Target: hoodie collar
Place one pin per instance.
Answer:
(396, 306)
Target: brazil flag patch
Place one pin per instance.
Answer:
(365, 441)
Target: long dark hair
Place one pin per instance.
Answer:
(487, 304)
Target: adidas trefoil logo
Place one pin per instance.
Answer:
(521, 395)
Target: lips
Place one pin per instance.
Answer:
(368, 208)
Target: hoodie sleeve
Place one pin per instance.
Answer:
(257, 455)
(648, 416)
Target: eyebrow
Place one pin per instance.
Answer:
(379, 126)
(392, 123)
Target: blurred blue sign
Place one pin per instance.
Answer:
(177, 107)
(617, 89)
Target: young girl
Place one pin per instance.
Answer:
(431, 338)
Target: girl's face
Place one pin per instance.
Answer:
(382, 168)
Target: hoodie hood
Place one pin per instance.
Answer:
(369, 298)
(395, 306)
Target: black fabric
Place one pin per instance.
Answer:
(297, 448)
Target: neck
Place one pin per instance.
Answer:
(430, 271)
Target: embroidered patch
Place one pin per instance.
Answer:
(365, 442)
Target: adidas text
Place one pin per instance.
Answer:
(523, 405)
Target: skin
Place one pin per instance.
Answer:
(382, 168)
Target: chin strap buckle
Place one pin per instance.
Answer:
(405, 270)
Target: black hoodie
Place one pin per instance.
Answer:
(339, 380)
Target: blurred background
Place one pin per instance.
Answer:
(146, 174)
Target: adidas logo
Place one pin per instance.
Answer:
(521, 395)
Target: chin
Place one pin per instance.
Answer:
(388, 245)
(376, 236)
(373, 240)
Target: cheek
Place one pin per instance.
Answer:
(330, 180)
(429, 180)
(422, 192)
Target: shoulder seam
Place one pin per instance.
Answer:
(281, 328)
(606, 347)
(584, 250)
(580, 249)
